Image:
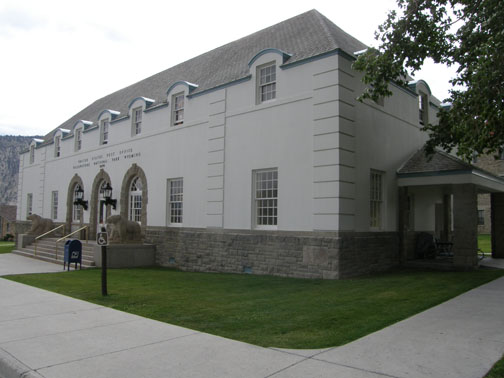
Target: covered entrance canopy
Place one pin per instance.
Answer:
(439, 194)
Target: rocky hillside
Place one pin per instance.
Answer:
(10, 147)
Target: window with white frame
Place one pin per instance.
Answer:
(77, 209)
(32, 154)
(177, 109)
(104, 131)
(375, 199)
(135, 200)
(266, 198)
(54, 204)
(137, 121)
(57, 146)
(78, 139)
(266, 82)
(422, 108)
(175, 200)
(29, 204)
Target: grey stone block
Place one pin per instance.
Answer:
(127, 255)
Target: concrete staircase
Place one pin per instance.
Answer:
(46, 251)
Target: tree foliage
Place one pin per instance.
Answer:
(468, 33)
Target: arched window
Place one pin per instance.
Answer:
(135, 200)
(77, 209)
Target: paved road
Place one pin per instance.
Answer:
(43, 334)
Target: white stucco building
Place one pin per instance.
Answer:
(255, 157)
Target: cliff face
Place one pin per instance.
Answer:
(10, 147)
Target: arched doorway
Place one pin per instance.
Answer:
(74, 213)
(134, 195)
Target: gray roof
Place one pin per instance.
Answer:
(438, 162)
(305, 36)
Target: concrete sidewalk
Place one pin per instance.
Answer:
(43, 334)
(16, 264)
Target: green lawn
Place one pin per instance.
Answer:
(6, 247)
(485, 243)
(264, 310)
(497, 371)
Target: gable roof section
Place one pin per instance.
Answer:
(442, 168)
(420, 164)
(305, 36)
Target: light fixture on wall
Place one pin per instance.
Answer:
(107, 194)
(78, 196)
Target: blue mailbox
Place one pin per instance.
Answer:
(73, 253)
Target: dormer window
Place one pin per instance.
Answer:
(32, 154)
(57, 146)
(104, 131)
(178, 109)
(266, 82)
(78, 139)
(422, 108)
(136, 126)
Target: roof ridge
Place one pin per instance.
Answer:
(323, 21)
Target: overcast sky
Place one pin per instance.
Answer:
(60, 56)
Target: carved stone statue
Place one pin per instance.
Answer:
(122, 230)
(39, 225)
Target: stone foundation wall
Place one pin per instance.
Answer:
(363, 253)
(289, 254)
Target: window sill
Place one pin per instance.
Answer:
(266, 228)
(175, 225)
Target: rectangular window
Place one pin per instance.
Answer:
(54, 204)
(178, 109)
(57, 146)
(175, 200)
(32, 154)
(481, 217)
(29, 204)
(375, 199)
(78, 139)
(266, 83)
(266, 198)
(422, 108)
(137, 121)
(104, 131)
(135, 208)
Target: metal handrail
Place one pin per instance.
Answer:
(47, 233)
(70, 234)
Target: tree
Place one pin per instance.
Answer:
(469, 33)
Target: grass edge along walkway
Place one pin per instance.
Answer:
(6, 247)
(264, 310)
(497, 370)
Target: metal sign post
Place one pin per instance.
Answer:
(102, 239)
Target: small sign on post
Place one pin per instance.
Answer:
(102, 239)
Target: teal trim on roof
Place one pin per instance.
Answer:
(189, 85)
(413, 85)
(153, 108)
(285, 55)
(147, 101)
(113, 114)
(435, 173)
(86, 124)
(222, 86)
